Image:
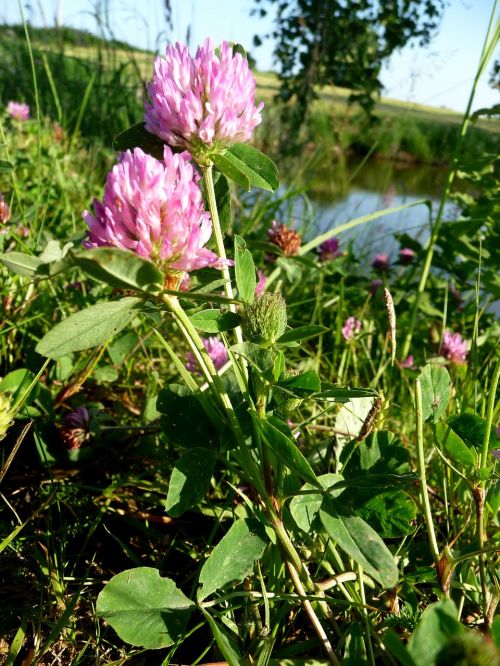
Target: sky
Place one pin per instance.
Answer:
(439, 75)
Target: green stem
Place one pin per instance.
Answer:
(219, 239)
(298, 571)
(423, 478)
(480, 491)
(488, 47)
(366, 619)
(489, 415)
(214, 381)
(308, 607)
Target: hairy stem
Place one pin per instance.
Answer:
(219, 239)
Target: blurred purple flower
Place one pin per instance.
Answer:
(207, 100)
(454, 348)
(406, 255)
(351, 327)
(375, 285)
(216, 350)
(18, 110)
(79, 418)
(154, 208)
(381, 262)
(75, 430)
(328, 250)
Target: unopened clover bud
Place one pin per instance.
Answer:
(5, 414)
(468, 648)
(287, 402)
(264, 320)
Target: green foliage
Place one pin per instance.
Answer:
(436, 392)
(439, 623)
(145, 609)
(244, 271)
(190, 480)
(354, 536)
(95, 94)
(285, 448)
(233, 558)
(247, 167)
(120, 268)
(214, 321)
(109, 435)
(89, 328)
(471, 428)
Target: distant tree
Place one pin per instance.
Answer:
(495, 75)
(342, 43)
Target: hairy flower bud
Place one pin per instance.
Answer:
(264, 320)
(287, 402)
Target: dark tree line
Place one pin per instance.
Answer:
(342, 43)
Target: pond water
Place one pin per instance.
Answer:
(366, 188)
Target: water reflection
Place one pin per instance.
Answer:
(348, 193)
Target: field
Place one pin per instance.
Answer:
(251, 446)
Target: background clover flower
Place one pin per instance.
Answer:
(287, 239)
(374, 286)
(18, 110)
(4, 210)
(381, 262)
(208, 100)
(406, 255)
(351, 327)
(216, 350)
(454, 348)
(328, 250)
(155, 209)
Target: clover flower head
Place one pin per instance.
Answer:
(406, 255)
(216, 350)
(18, 110)
(351, 328)
(381, 262)
(155, 209)
(287, 239)
(200, 102)
(454, 348)
(328, 250)
(75, 430)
